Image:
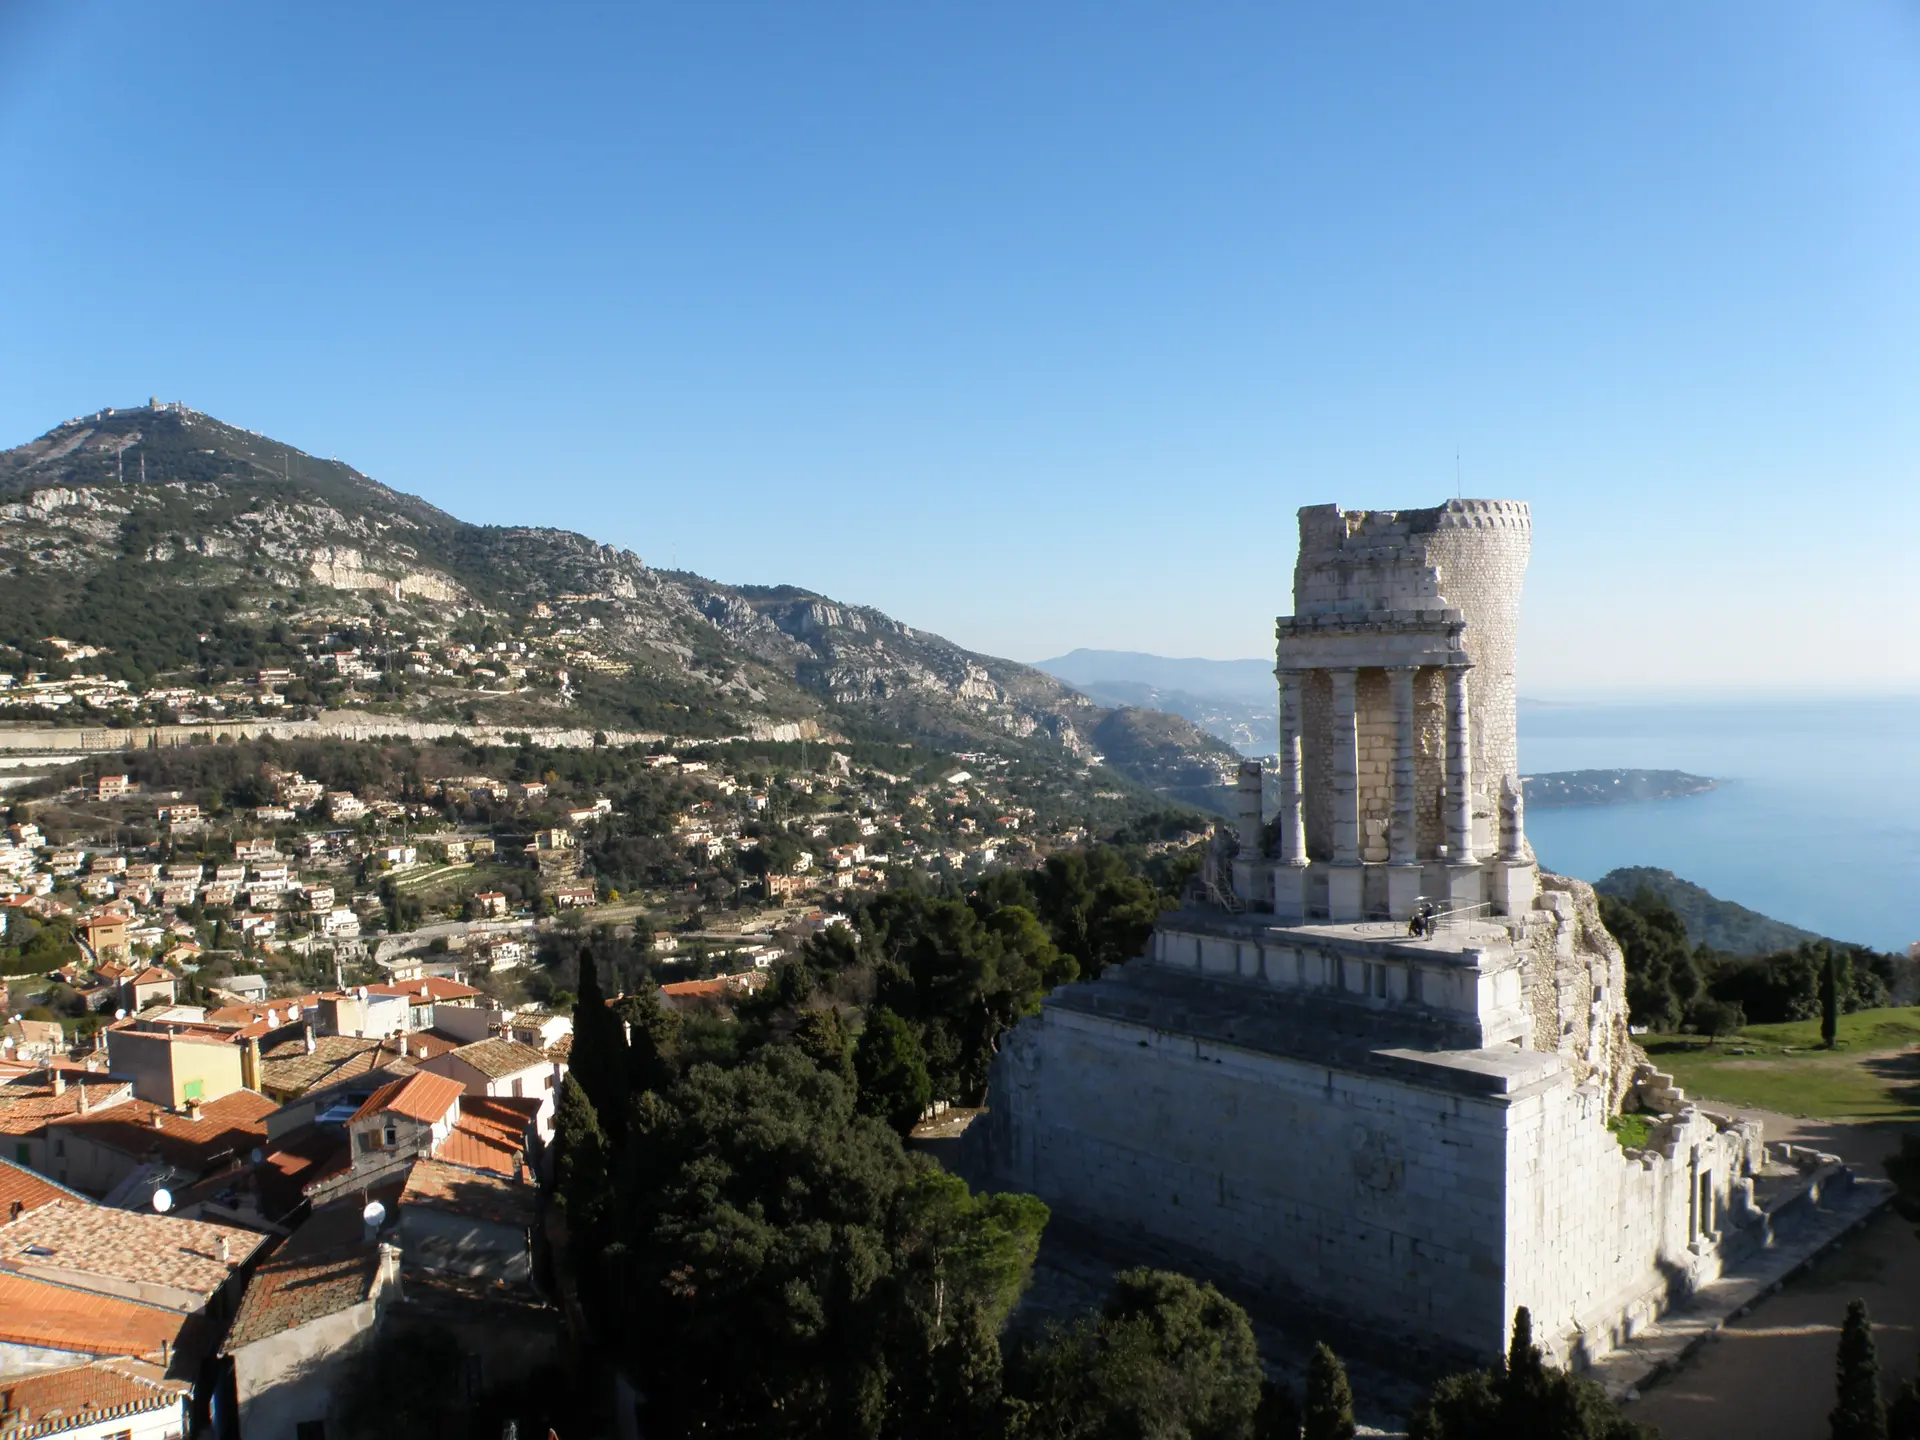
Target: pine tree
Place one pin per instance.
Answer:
(1329, 1409)
(1859, 1413)
(893, 1071)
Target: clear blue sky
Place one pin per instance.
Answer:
(1033, 324)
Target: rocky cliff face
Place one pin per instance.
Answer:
(167, 506)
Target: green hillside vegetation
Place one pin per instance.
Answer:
(1672, 983)
(1873, 1074)
(1720, 925)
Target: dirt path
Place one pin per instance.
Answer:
(1770, 1374)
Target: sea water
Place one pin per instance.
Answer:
(1816, 820)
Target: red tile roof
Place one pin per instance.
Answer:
(28, 1105)
(423, 1097)
(434, 987)
(479, 1194)
(695, 988)
(53, 1401)
(79, 1238)
(17, 1183)
(55, 1317)
(496, 1058)
(491, 1134)
(228, 1129)
(326, 1266)
(425, 1044)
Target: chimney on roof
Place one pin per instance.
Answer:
(193, 1109)
(158, 1122)
(83, 1097)
(59, 1079)
(309, 1031)
(403, 1045)
(15, 1210)
(226, 1251)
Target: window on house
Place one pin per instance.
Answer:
(392, 1136)
(194, 1090)
(516, 1089)
(369, 1142)
(22, 1154)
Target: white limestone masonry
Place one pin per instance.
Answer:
(1378, 1077)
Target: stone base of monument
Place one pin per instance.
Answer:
(1405, 889)
(1346, 899)
(1410, 1132)
(1511, 886)
(1796, 1230)
(1466, 887)
(1289, 894)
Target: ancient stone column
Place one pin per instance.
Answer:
(1346, 770)
(1248, 824)
(1290, 874)
(1459, 805)
(1403, 863)
(1293, 822)
(1400, 837)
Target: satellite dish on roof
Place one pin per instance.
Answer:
(162, 1201)
(120, 1014)
(375, 1214)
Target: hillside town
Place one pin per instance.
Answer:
(294, 1042)
(330, 663)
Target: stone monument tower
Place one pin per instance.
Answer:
(1298, 1088)
(1399, 768)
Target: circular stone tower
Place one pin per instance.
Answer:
(1478, 550)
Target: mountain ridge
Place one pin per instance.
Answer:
(179, 544)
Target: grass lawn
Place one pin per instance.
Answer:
(1873, 1075)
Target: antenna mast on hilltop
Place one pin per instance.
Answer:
(1458, 493)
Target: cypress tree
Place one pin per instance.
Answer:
(1278, 1417)
(580, 1156)
(1829, 1000)
(651, 1031)
(1903, 1415)
(598, 1059)
(1524, 1386)
(1329, 1409)
(1858, 1412)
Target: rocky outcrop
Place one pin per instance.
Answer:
(344, 568)
(1577, 985)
